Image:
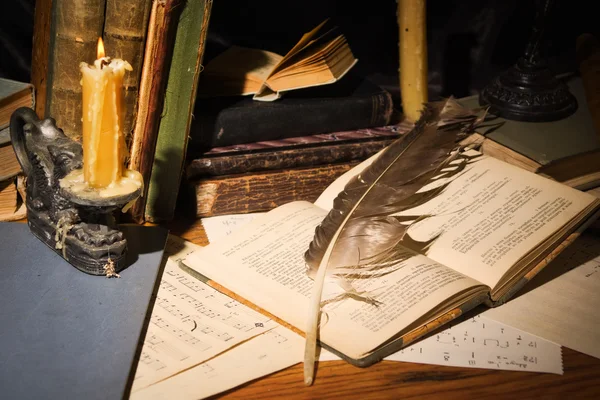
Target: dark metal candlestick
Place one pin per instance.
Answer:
(529, 91)
(80, 230)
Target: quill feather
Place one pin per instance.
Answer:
(362, 237)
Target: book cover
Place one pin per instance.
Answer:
(180, 96)
(164, 17)
(256, 192)
(352, 103)
(302, 151)
(66, 334)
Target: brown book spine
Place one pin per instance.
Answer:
(42, 20)
(76, 27)
(125, 28)
(247, 193)
(157, 59)
(279, 159)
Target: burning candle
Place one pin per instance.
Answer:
(104, 148)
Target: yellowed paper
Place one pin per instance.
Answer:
(562, 302)
(190, 322)
(265, 354)
(266, 259)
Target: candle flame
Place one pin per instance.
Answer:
(100, 48)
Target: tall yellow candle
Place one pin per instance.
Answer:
(104, 148)
(413, 56)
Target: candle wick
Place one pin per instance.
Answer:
(103, 63)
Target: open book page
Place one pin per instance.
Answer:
(190, 322)
(489, 217)
(476, 342)
(493, 215)
(263, 263)
(561, 303)
(242, 71)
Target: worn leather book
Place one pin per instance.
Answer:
(174, 119)
(255, 192)
(352, 103)
(125, 28)
(75, 28)
(297, 152)
(162, 25)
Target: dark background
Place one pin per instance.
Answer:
(469, 41)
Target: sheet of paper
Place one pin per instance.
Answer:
(561, 303)
(480, 342)
(190, 322)
(263, 355)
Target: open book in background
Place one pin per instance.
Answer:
(497, 224)
(319, 58)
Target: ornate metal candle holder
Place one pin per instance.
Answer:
(76, 222)
(529, 91)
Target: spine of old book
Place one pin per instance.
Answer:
(172, 142)
(157, 59)
(75, 29)
(125, 28)
(262, 191)
(42, 21)
(279, 159)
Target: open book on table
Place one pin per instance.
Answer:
(496, 227)
(319, 58)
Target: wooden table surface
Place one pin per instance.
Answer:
(399, 380)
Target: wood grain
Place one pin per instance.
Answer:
(399, 380)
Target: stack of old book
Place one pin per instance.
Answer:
(13, 95)
(257, 142)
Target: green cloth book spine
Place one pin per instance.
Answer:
(180, 97)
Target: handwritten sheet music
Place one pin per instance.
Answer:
(191, 322)
(480, 342)
(562, 302)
